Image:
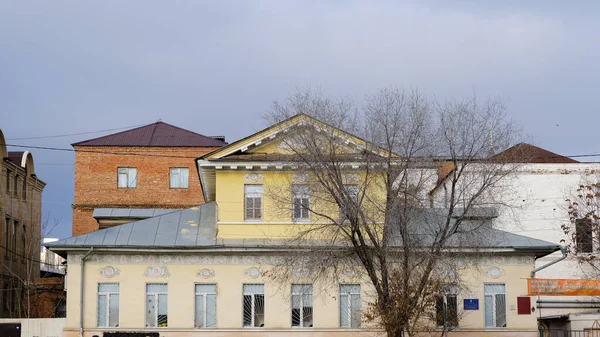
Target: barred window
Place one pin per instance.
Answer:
(108, 305)
(495, 305)
(156, 305)
(350, 306)
(253, 202)
(206, 306)
(300, 203)
(302, 307)
(254, 305)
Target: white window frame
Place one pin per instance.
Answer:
(349, 304)
(181, 183)
(204, 295)
(107, 313)
(300, 294)
(301, 192)
(155, 295)
(494, 317)
(257, 193)
(253, 304)
(128, 172)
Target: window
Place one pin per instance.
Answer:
(206, 306)
(583, 235)
(254, 305)
(15, 184)
(6, 238)
(300, 203)
(108, 305)
(156, 305)
(24, 243)
(253, 202)
(302, 307)
(24, 193)
(127, 177)
(446, 307)
(348, 200)
(14, 239)
(178, 177)
(8, 173)
(350, 314)
(495, 305)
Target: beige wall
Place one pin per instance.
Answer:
(230, 273)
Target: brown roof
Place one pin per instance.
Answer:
(156, 134)
(15, 157)
(527, 153)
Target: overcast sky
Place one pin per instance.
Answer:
(215, 67)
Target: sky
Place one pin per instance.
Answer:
(215, 67)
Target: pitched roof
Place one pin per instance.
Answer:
(16, 157)
(527, 153)
(156, 134)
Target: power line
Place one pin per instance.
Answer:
(77, 134)
(100, 152)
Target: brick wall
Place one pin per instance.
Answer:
(96, 180)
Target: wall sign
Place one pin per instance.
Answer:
(471, 304)
(562, 287)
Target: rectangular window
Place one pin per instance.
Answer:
(127, 177)
(206, 306)
(302, 307)
(156, 305)
(583, 235)
(446, 307)
(178, 177)
(254, 305)
(14, 239)
(7, 225)
(8, 173)
(108, 305)
(24, 243)
(253, 197)
(15, 184)
(350, 304)
(495, 305)
(300, 203)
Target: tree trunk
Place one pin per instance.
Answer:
(395, 332)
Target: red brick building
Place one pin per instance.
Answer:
(136, 174)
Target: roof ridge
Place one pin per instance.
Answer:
(114, 134)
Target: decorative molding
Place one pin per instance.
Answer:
(109, 271)
(253, 177)
(301, 272)
(300, 178)
(205, 273)
(253, 272)
(494, 272)
(348, 273)
(157, 272)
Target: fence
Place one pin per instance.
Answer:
(38, 327)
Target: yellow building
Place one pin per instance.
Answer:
(208, 270)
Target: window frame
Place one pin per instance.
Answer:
(156, 295)
(301, 195)
(253, 195)
(349, 300)
(204, 294)
(15, 228)
(187, 181)
(494, 316)
(253, 306)
(107, 313)
(15, 185)
(301, 294)
(127, 174)
(8, 174)
(447, 291)
(7, 225)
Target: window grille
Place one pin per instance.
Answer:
(300, 203)
(156, 305)
(178, 177)
(253, 202)
(254, 305)
(127, 177)
(302, 306)
(495, 305)
(206, 306)
(350, 306)
(108, 305)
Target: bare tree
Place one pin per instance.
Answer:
(367, 204)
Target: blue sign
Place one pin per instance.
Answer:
(471, 304)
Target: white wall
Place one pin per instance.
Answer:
(39, 327)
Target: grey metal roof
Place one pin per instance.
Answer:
(104, 213)
(195, 226)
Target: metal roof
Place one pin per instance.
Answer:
(104, 213)
(159, 134)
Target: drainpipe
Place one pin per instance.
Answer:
(81, 291)
(563, 250)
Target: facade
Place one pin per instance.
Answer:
(20, 219)
(136, 174)
(208, 270)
